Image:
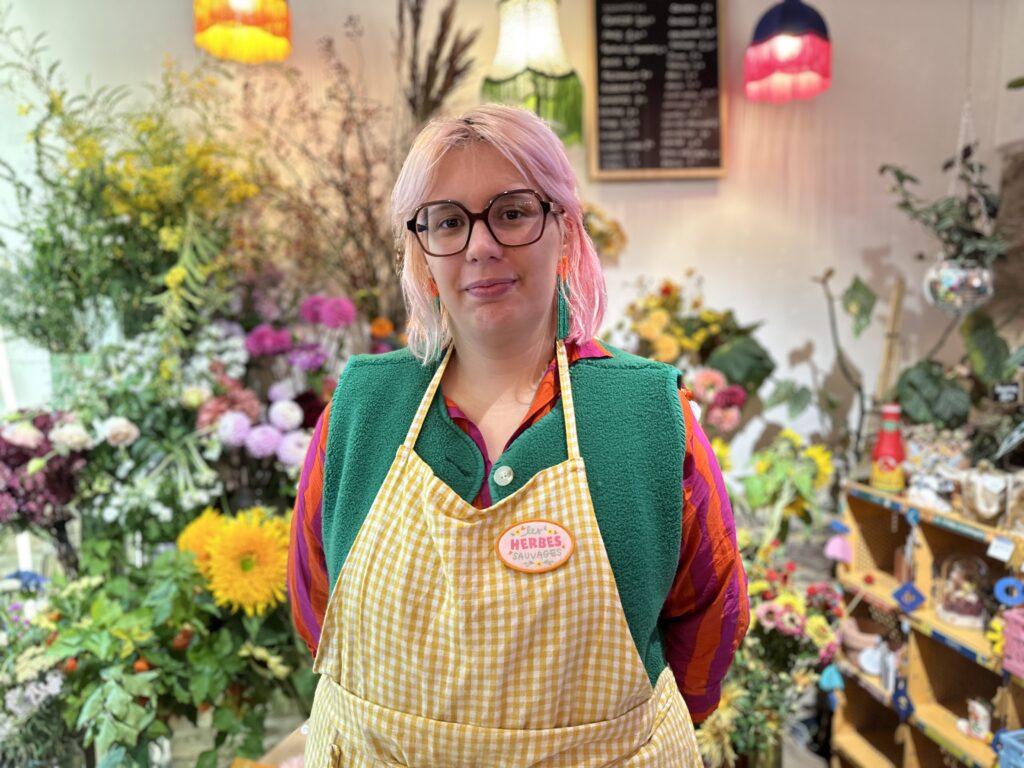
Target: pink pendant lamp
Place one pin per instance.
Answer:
(790, 56)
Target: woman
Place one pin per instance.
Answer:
(523, 532)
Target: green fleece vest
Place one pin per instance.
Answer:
(632, 438)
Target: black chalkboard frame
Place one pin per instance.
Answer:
(592, 138)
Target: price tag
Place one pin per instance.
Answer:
(1006, 393)
(1001, 549)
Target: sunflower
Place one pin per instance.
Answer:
(249, 562)
(197, 536)
(822, 459)
(792, 437)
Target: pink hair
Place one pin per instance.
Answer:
(534, 151)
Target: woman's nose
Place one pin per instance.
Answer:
(482, 244)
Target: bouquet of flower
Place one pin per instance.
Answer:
(204, 626)
(32, 729)
(724, 364)
(120, 199)
(792, 637)
(606, 233)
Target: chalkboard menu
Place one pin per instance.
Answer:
(658, 111)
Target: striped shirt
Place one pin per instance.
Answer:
(706, 613)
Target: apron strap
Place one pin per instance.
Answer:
(572, 442)
(568, 409)
(421, 413)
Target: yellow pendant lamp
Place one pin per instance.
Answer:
(249, 31)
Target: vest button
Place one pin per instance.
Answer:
(503, 475)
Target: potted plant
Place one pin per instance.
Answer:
(962, 221)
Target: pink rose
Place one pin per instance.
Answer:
(705, 382)
(724, 419)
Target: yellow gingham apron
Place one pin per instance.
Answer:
(434, 654)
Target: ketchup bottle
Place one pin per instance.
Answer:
(887, 458)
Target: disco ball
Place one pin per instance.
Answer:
(958, 287)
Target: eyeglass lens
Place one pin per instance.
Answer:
(515, 218)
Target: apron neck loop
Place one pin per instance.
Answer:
(572, 442)
(421, 413)
(568, 410)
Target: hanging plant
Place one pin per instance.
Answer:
(962, 221)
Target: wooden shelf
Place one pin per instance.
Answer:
(970, 529)
(970, 643)
(967, 642)
(939, 724)
(878, 592)
(870, 683)
(945, 664)
(868, 749)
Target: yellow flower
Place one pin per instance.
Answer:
(24, 109)
(722, 452)
(757, 587)
(793, 437)
(796, 508)
(175, 276)
(666, 349)
(761, 466)
(653, 326)
(381, 328)
(743, 538)
(793, 601)
(819, 631)
(249, 562)
(168, 368)
(197, 536)
(145, 125)
(996, 636)
(170, 240)
(822, 458)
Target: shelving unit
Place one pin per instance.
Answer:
(944, 665)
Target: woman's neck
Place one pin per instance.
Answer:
(487, 374)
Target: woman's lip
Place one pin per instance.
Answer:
(489, 289)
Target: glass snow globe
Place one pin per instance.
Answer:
(960, 591)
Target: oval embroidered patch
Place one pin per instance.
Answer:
(535, 546)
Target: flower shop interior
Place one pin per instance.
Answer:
(814, 210)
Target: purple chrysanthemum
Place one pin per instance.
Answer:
(264, 340)
(233, 428)
(281, 390)
(262, 441)
(308, 357)
(291, 451)
(337, 311)
(310, 308)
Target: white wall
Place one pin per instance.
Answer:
(802, 191)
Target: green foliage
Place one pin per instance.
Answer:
(962, 223)
(859, 302)
(743, 361)
(787, 484)
(99, 218)
(927, 395)
(987, 351)
(796, 397)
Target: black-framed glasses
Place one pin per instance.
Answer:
(516, 217)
